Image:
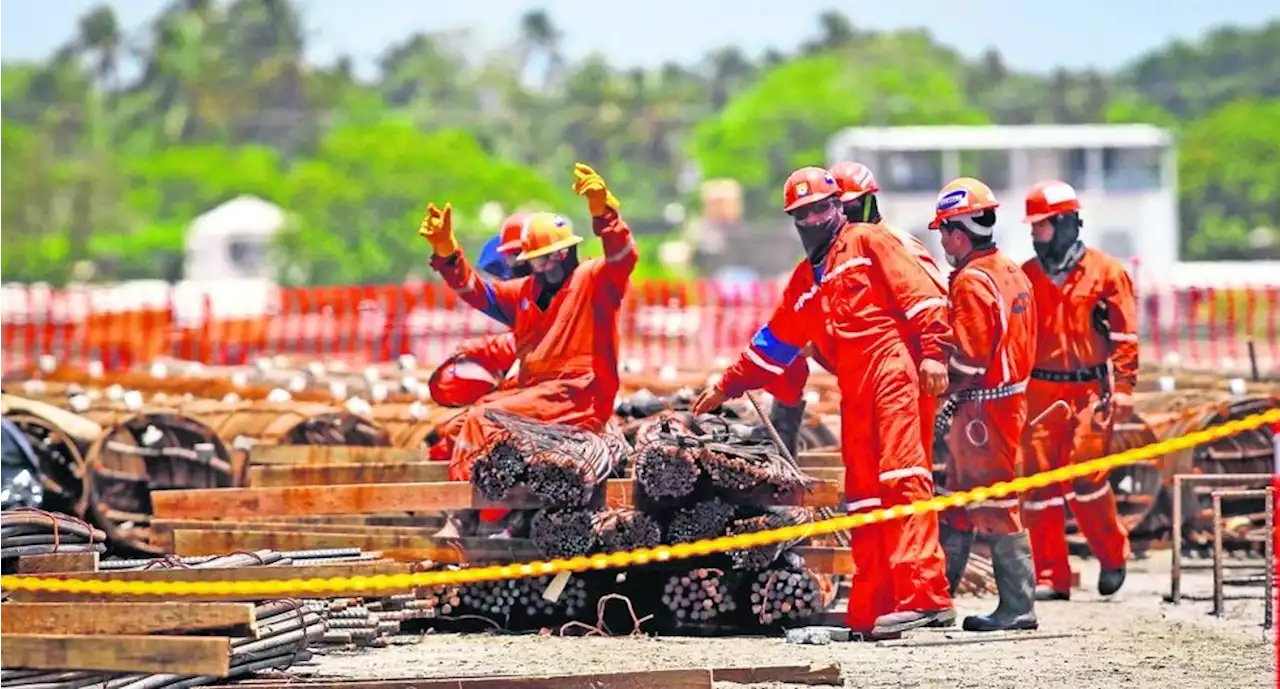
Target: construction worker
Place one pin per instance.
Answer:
(1085, 369)
(851, 294)
(858, 189)
(478, 366)
(564, 316)
(992, 317)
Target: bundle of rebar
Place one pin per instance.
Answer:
(626, 529)
(761, 557)
(500, 469)
(566, 474)
(26, 531)
(350, 622)
(667, 462)
(699, 595)
(703, 520)
(619, 450)
(515, 603)
(788, 594)
(285, 630)
(258, 558)
(563, 533)
(741, 468)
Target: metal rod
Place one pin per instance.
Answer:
(1175, 569)
(1253, 360)
(1268, 609)
(1217, 555)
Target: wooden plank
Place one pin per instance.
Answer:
(215, 542)
(273, 476)
(58, 562)
(819, 459)
(649, 679)
(227, 574)
(177, 655)
(364, 498)
(232, 619)
(831, 474)
(334, 454)
(171, 525)
(829, 674)
(827, 560)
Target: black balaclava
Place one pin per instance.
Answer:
(865, 208)
(551, 281)
(817, 232)
(977, 242)
(1066, 233)
(520, 269)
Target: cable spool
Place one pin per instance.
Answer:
(154, 449)
(59, 438)
(410, 425)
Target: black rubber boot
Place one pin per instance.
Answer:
(786, 420)
(1016, 585)
(956, 544)
(1044, 593)
(1110, 580)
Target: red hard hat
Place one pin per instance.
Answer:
(962, 196)
(509, 241)
(1049, 198)
(855, 180)
(460, 382)
(808, 185)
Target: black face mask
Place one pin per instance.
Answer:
(521, 269)
(1066, 232)
(551, 280)
(818, 229)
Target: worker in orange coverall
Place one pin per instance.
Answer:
(992, 316)
(564, 317)
(858, 189)
(852, 294)
(1085, 369)
(479, 365)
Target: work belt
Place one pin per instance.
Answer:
(942, 422)
(1079, 375)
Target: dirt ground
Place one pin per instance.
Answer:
(1133, 640)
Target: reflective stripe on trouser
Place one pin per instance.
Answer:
(1062, 439)
(900, 564)
(985, 443)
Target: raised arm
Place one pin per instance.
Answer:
(620, 256)
(497, 299)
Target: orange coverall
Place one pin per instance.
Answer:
(568, 354)
(478, 368)
(864, 302)
(1072, 353)
(788, 388)
(993, 325)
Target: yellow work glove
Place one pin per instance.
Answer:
(589, 184)
(437, 228)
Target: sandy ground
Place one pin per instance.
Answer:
(1131, 640)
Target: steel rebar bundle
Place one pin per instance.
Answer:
(738, 469)
(626, 529)
(667, 462)
(566, 475)
(703, 520)
(26, 531)
(699, 595)
(563, 533)
(519, 603)
(500, 469)
(774, 517)
(788, 594)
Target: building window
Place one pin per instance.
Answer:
(912, 171)
(1131, 169)
(1118, 243)
(247, 255)
(1075, 167)
(992, 167)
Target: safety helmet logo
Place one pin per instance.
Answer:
(802, 188)
(953, 199)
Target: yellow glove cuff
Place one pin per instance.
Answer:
(444, 246)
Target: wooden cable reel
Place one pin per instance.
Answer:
(145, 451)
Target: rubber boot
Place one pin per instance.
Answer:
(899, 622)
(786, 421)
(956, 544)
(1015, 584)
(1045, 592)
(1110, 580)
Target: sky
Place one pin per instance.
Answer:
(1031, 35)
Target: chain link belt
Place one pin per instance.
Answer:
(942, 422)
(1100, 373)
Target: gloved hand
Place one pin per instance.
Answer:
(933, 377)
(708, 401)
(591, 185)
(437, 228)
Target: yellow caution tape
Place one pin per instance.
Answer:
(273, 588)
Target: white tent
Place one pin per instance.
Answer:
(232, 240)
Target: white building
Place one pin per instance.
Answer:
(1126, 176)
(232, 241)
